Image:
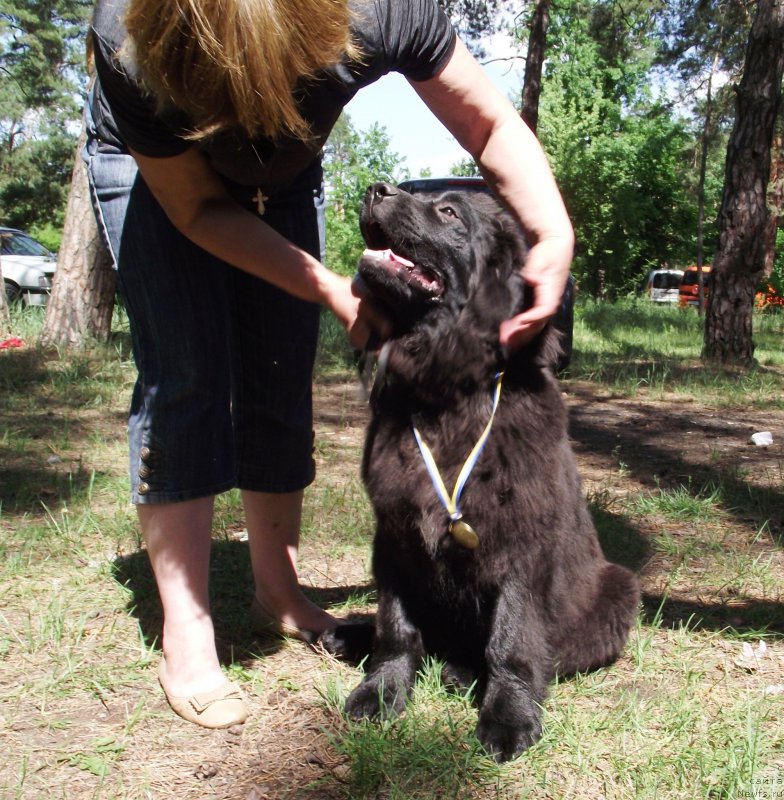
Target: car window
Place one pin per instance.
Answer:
(692, 279)
(17, 244)
(666, 280)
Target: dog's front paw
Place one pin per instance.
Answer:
(376, 697)
(509, 722)
(505, 741)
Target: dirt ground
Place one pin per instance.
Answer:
(635, 446)
(626, 448)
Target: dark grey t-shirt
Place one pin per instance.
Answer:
(412, 37)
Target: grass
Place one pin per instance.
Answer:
(634, 345)
(685, 713)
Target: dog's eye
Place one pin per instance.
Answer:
(448, 211)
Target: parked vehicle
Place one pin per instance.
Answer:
(564, 317)
(27, 268)
(689, 291)
(662, 285)
(767, 298)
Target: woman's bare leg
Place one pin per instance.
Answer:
(273, 522)
(178, 538)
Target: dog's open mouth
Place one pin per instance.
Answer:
(415, 275)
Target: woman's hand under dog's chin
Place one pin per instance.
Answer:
(546, 271)
(362, 320)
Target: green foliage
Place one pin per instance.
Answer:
(694, 32)
(42, 74)
(617, 151)
(777, 275)
(34, 188)
(465, 168)
(353, 160)
(48, 234)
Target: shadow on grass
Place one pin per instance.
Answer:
(621, 541)
(661, 466)
(623, 544)
(231, 589)
(752, 617)
(27, 488)
(664, 465)
(37, 394)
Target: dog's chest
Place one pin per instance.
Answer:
(415, 486)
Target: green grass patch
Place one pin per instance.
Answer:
(686, 712)
(634, 345)
(429, 752)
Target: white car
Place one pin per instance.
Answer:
(27, 268)
(662, 285)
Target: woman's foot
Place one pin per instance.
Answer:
(191, 677)
(192, 665)
(301, 619)
(220, 707)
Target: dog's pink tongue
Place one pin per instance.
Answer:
(389, 255)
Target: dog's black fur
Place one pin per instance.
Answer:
(536, 596)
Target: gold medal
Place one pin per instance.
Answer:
(464, 534)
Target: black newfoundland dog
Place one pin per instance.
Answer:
(511, 586)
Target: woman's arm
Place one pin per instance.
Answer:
(196, 202)
(487, 125)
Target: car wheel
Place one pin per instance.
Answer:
(13, 294)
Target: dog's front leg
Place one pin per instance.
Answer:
(397, 653)
(518, 668)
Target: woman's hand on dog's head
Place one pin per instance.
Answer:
(546, 271)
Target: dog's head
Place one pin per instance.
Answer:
(434, 258)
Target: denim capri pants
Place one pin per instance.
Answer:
(224, 359)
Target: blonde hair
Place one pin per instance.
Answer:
(236, 63)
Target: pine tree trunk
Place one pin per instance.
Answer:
(743, 217)
(775, 199)
(532, 84)
(82, 301)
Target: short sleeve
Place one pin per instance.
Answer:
(132, 110)
(417, 36)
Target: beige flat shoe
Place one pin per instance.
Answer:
(264, 621)
(220, 708)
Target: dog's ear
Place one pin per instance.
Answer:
(498, 291)
(501, 292)
(545, 349)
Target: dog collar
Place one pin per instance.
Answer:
(458, 527)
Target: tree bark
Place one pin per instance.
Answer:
(82, 301)
(775, 198)
(743, 217)
(704, 143)
(534, 61)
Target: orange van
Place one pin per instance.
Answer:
(689, 290)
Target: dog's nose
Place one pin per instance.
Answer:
(381, 190)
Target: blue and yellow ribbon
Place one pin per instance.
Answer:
(452, 502)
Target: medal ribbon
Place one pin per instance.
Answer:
(452, 503)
